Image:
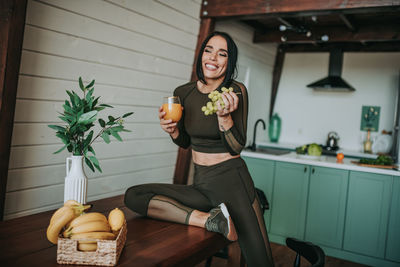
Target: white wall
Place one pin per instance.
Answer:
(308, 116)
(138, 51)
(255, 66)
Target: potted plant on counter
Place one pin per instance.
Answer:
(80, 116)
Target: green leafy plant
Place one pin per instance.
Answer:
(80, 114)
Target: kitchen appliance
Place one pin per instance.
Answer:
(334, 81)
(332, 143)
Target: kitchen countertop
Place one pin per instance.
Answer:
(323, 161)
(292, 146)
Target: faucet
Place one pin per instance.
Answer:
(253, 146)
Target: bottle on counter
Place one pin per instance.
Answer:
(368, 143)
(274, 129)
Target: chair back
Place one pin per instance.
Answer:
(312, 253)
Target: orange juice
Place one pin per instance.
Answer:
(172, 111)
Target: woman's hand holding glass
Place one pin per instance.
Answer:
(169, 114)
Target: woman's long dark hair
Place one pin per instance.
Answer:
(231, 69)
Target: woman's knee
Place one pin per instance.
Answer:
(137, 198)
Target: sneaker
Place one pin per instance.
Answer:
(220, 221)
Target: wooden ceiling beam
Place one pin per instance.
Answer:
(348, 23)
(336, 34)
(345, 47)
(238, 8)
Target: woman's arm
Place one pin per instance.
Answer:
(233, 122)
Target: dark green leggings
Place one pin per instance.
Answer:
(228, 182)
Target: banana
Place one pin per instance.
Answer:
(116, 219)
(78, 209)
(87, 217)
(87, 247)
(94, 226)
(89, 236)
(65, 216)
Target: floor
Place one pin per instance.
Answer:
(284, 257)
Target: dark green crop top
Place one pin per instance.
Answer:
(201, 131)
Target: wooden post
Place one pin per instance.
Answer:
(185, 155)
(276, 77)
(12, 24)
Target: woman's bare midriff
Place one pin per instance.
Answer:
(208, 159)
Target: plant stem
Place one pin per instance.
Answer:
(102, 131)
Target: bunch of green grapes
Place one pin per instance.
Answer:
(215, 96)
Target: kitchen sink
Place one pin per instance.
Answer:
(271, 151)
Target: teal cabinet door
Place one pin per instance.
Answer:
(262, 172)
(289, 200)
(393, 242)
(326, 206)
(367, 213)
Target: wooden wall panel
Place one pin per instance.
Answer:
(81, 26)
(137, 52)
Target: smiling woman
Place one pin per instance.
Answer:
(222, 198)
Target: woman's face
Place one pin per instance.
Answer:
(215, 58)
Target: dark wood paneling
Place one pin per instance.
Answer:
(370, 33)
(185, 155)
(234, 8)
(276, 77)
(12, 23)
(345, 47)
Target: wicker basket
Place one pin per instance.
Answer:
(107, 253)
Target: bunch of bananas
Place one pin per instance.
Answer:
(87, 228)
(215, 96)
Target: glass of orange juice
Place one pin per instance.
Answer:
(172, 108)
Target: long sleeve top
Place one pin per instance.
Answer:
(201, 131)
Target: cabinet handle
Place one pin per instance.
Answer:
(305, 169)
(313, 170)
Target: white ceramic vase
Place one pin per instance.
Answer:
(75, 186)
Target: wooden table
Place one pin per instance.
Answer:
(149, 242)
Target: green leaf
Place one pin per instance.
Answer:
(71, 98)
(81, 84)
(90, 84)
(61, 149)
(89, 164)
(57, 128)
(63, 138)
(127, 114)
(116, 135)
(88, 139)
(95, 163)
(111, 118)
(94, 103)
(90, 148)
(67, 103)
(89, 95)
(105, 105)
(102, 123)
(117, 128)
(106, 138)
(88, 117)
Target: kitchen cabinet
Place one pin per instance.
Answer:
(262, 172)
(352, 212)
(393, 242)
(326, 206)
(289, 199)
(367, 213)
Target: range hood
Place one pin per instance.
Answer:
(334, 82)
